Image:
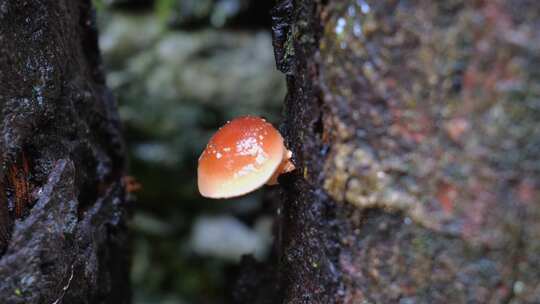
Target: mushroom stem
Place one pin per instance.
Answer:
(285, 167)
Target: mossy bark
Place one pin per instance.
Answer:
(415, 127)
(62, 202)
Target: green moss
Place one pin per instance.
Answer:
(164, 9)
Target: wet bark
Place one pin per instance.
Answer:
(415, 127)
(62, 202)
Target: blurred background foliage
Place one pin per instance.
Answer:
(180, 69)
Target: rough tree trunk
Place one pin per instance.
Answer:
(62, 205)
(416, 129)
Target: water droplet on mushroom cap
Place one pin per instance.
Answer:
(242, 156)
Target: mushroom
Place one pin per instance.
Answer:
(243, 155)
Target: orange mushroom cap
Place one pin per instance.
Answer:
(242, 156)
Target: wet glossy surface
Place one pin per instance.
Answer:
(239, 158)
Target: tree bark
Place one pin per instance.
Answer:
(62, 201)
(415, 128)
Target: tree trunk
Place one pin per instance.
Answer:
(62, 201)
(415, 127)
